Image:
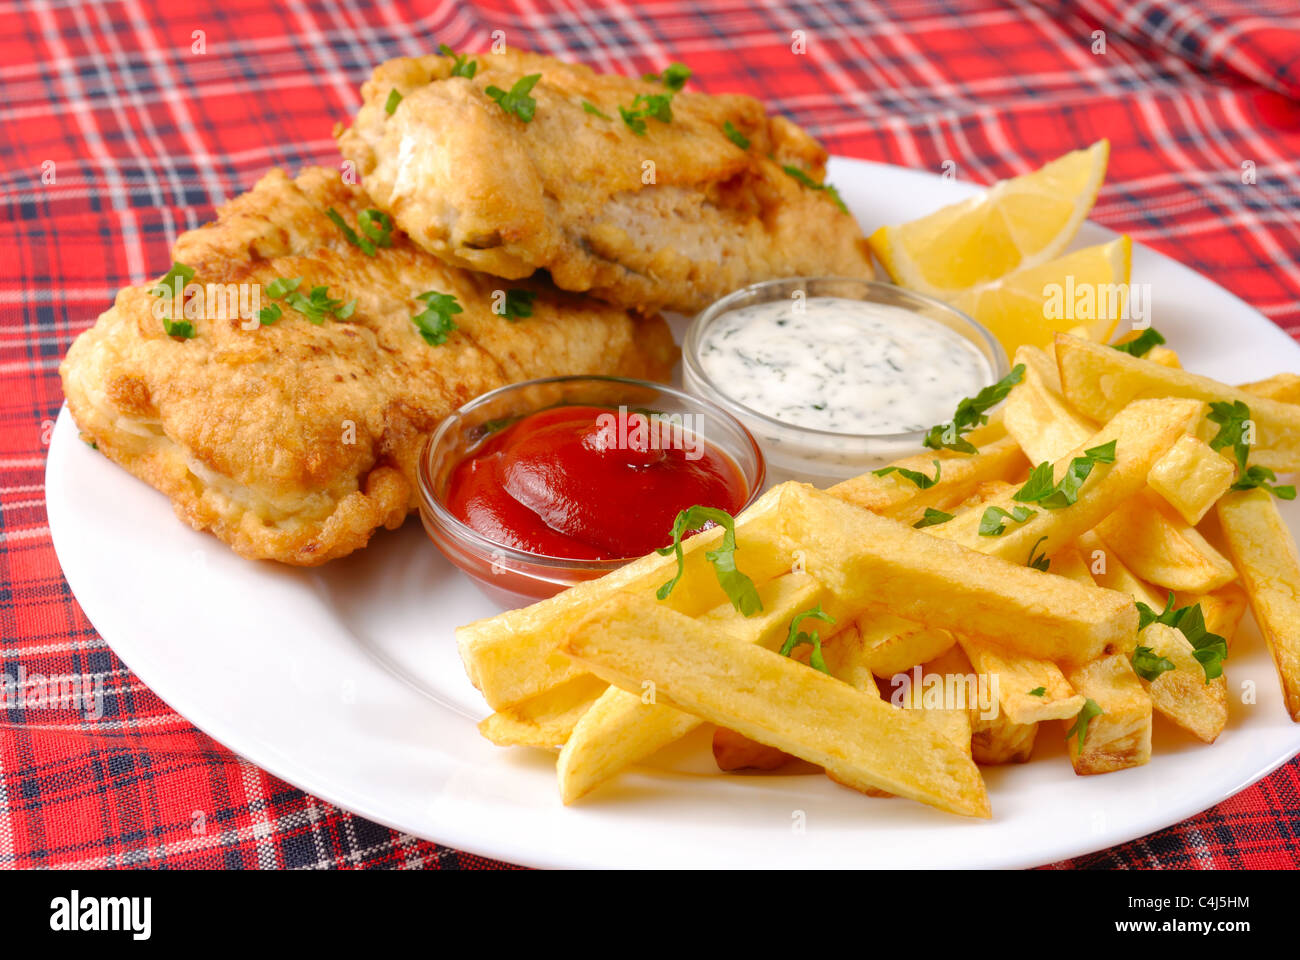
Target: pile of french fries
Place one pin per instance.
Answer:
(1073, 612)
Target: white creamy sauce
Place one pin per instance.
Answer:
(845, 366)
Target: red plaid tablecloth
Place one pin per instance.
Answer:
(121, 125)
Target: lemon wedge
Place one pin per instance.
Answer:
(1015, 224)
(1084, 293)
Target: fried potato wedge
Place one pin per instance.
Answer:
(892, 495)
(1099, 382)
(1162, 548)
(1183, 694)
(866, 560)
(1222, 609)
(1262, 548)
(860, 739)
(1019, 679)
(1191, 477)
(624, 728)
(547, 719)
(1283, 387)
(1142, 431)
(511, 657)
(1120, 736)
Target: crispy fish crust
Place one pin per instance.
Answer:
(568, 191)
(295, 442)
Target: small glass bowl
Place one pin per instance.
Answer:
(516, 577)
(824, 457)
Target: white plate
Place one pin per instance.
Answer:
(345, 680)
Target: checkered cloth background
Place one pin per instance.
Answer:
(141, 125)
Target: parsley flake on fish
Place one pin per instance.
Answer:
(674, 76)
(435, 321)
(735, 136)
(463, 66)
(518, 304)
(595, 110)
(812, 184)
(517, 99)
(394, 98)
(647, 105)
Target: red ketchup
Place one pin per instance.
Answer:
(590, 483)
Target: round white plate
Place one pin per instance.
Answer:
(345, 680)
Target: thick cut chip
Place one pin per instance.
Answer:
(1099, 382)
(1030, 690)
(1183, 694)
(1264, 552)
(1162, 548)
(1191, 477)
(861, 740)
(1120, 736)
(665, 210)
(547, 719)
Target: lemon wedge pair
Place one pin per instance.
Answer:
(997, 256)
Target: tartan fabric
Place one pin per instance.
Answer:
(146, 134)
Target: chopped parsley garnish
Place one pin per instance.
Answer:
(463, 66)
(166, 286)
(394, 98)
(1209, 649)
(994, 521)
(179, 328)
(674, 76)
(269, 314)
(1086, 715)
(1041, 489)
(740, 590)
(1148, 664)
(918, 478)
(644, 105)
(518, 304)
(280, 286)
(1262, 477)
(517, 100)
(1038, 692)
(972, 412)
(932, 517)
(735, 136)
(812, 184)
(1232, 419)
(1040, 562)
(595, 111)
(797, 638)
(1141, 345)
(316, 306)
(376, 229)
(435, 321)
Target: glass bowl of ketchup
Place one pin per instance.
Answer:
(537, 486)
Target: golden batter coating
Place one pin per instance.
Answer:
(293, 441)
(671, 219)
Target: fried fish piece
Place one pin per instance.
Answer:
(294, 441)
(672, 217)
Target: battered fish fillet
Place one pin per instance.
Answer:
(671, 219)
(295, 442)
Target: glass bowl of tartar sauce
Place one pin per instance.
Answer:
(836, 376)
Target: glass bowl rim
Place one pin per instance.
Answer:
(700, 322)
(463, 532)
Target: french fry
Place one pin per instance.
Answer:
(1283, 387)
(1018, 679)
(999, 458)
(1143, 432)
(1191, 477)
(867, 561)
(1222, 609)
(1108, 570)
(1120, 737)
(997, 740)
(1162, 548)
(890, 644)
(1037, 415)
(623, 728)
(860, 739)
(1262, 548)
(547, 719)
(511, 657)
(1099, 382)
(1183, 694)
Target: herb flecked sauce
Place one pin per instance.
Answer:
(841, 365)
